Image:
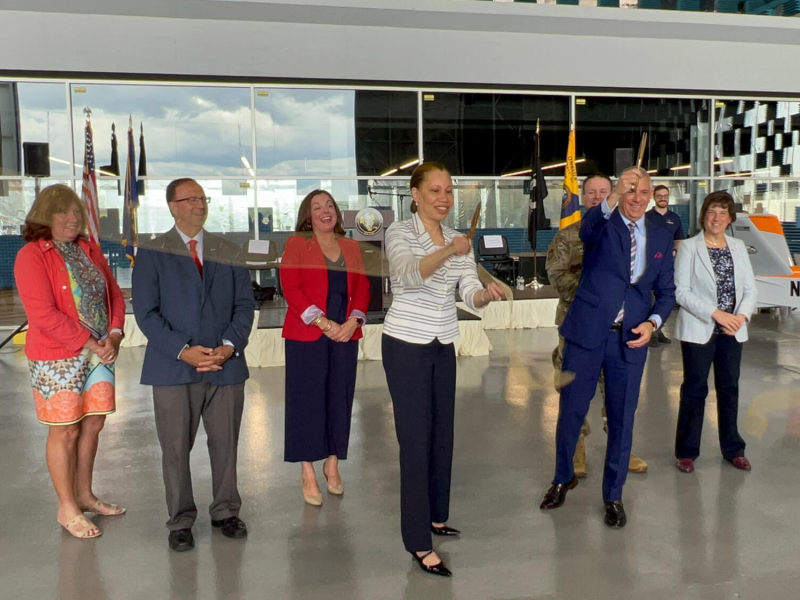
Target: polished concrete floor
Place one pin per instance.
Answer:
(715, 535)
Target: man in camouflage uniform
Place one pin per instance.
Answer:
(564, 261)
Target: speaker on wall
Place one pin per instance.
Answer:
(37, 159)
(109, 225)
(623, 158)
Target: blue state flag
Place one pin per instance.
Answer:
(130, 233)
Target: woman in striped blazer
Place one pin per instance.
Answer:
(427, 262)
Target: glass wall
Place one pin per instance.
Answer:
(779, 8)
(492, 134)
(610, 131)
(258, 151)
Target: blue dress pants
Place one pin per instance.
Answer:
(622, 381)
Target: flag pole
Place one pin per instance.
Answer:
(535, 283)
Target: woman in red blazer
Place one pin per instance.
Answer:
(323, 280)
(76, 316)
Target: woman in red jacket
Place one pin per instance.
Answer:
(76, 316)
(323, 279)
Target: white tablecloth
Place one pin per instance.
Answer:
(266, 345)
(528, 314)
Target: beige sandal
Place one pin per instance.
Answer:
(80, 527)
(105, 509)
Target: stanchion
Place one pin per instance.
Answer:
(19, 329)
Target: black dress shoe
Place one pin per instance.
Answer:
(232, 527)
(444, 530)
(662, 338)
(437, 569)
(557, 493)
(181, 540)
(615, 515)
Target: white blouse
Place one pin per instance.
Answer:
(423, 311)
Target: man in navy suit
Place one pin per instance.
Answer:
(193, 300)
(627, 260)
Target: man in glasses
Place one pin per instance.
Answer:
(193, 300)
(662, 216)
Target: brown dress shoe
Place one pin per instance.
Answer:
(557, 493)
(579, 460)
(637, 465)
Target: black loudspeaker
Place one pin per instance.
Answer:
(37, 159)
(109, 225)
(372, 253)
(525, 268)
(623, 158)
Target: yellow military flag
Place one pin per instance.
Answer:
(570, 201)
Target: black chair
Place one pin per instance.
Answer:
(497, 256)
(262, 255)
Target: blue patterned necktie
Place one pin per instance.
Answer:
(632, 228)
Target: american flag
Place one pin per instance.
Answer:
(89, 188)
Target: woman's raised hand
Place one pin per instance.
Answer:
(462, 245)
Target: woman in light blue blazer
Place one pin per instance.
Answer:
(716, 291)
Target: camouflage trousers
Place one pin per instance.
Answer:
(558, 353)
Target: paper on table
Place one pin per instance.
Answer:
(258, 247)
(493, 241)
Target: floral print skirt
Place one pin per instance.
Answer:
(66, 391)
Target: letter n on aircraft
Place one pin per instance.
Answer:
(795, 290)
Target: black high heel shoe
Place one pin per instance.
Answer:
(444, 530)
(437, 569)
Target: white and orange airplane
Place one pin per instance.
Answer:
(777, 277)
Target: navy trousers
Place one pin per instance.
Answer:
(623, 379)
(422, 383)
(725, 353)
(320, 385)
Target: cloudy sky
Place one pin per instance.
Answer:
(199, 131)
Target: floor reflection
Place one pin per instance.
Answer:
(79, 574)
(323, 534)
(227, 555)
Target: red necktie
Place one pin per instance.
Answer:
(195, 257)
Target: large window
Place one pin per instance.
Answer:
(492, 134)
(334, 133)
(259, 150)
(760, 139)
(609, 132)
(188, 131)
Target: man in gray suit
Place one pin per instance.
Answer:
(193, 300)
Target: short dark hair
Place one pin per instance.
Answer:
(722, 199)
(174, 185)
(421, 173)
(53, 199)
(596, 176)
(660, 187)
(304, 213)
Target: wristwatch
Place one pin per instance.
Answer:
(653, 323)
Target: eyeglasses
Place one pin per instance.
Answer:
(195, 200)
